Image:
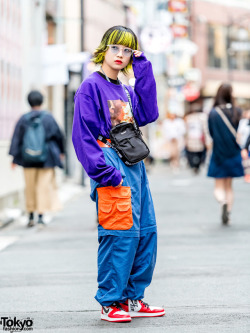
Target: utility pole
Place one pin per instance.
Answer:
(82, 25)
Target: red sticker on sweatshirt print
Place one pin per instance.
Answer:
(119, 112)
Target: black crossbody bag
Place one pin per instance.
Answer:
(126, 140)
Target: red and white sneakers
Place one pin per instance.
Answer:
(138, 308)
(115, 313)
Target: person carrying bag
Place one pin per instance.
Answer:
(126, 138)
(109, 145)
(226, 162)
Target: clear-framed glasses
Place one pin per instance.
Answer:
(126, 51)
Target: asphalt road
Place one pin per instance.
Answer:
(202, 276)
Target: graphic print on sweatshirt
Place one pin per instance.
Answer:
(119, 112)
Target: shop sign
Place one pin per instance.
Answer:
(193, 74)
(176, 81)
(240, 46)
(179, 30)
(185, 46)
(191, 92)
(156, 39)
(175, 6)
(54, 65)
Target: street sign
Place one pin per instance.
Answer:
(179, 30)
(177, 6)
(156, 39)
(183, 46)
(191, 92)
(176, 81)
(54, 66)
(240, 46)
(193, 74)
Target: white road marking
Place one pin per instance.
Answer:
(5, 241)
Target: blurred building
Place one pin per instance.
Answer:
(11, 90)
(163, 28)
(221, 29)
(46, 45)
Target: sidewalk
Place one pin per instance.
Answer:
(67, 191)
(201, 277)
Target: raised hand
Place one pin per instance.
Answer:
(137, 53)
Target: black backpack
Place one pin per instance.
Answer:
(34, 147)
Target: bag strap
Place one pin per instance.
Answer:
(100, 137)
(131, 108)
(104, 140)
(226, 121)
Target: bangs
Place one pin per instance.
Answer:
(124, 38)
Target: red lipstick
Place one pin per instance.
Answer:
(118, 62)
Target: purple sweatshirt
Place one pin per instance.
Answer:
(100, 105)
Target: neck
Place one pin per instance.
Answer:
(36, 108)
(110, 72)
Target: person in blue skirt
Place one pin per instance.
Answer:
(226, 162)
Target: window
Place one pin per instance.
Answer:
(228, 47)
(217, 49)
(239, 48)
(10, 66)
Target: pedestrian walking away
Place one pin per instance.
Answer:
(174, 131)
(127, 232)
(38, 146)
(226, 162)
(198, 140)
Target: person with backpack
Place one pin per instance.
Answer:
(108, 143)
(38, 146)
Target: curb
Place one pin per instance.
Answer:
(66, 192)
(5, 222)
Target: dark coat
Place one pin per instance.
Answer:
(54, 139)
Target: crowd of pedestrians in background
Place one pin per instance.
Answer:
(220, 137)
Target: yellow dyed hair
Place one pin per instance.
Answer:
(117, 35)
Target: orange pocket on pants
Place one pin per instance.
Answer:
(114, 207)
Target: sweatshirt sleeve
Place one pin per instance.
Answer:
(16, 141)
(145, 101)
(86, 127)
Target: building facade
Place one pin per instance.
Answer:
(221, 29)
(46, 45)
(11, 89)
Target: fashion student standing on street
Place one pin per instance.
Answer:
(127, 231)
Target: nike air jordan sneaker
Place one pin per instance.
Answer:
(115, 313)
(138, 308)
